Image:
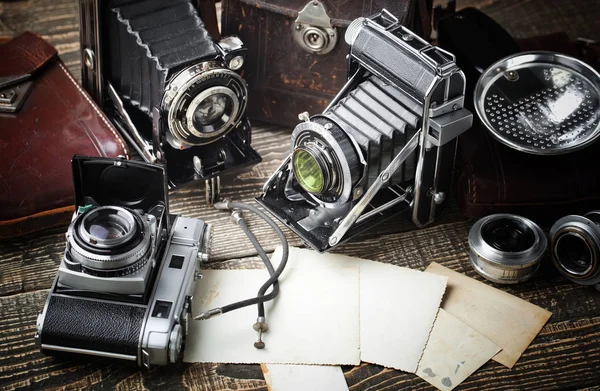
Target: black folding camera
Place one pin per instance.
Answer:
(124, 286)
(385, 144)
(170, 89)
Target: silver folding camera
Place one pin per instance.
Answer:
(125, 283)
(385, 144)
(173, 93)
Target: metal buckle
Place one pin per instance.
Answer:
(312, 29)
(13, 92)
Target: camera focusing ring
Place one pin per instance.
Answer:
(506, 248)
(206, 96)
(575, 248)
(344, 169)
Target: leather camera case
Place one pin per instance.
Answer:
(494, 178)
(45, 119)
(283, 78)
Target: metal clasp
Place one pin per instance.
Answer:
(312, 29)
(13, 92)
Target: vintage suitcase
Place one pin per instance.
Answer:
(297, 53)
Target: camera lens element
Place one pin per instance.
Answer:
(308, 171)
(506, 248)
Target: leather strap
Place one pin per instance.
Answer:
(25, 54)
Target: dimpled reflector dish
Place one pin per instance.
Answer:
(540, 102)
(307, 171)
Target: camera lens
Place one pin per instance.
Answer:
(203, 102)
(506, 248)
(574, 253)
(107, 227)
(506, 234)
(209, 111)
(309, 173)
(576, 247)
(109, 240)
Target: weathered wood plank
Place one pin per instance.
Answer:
(564, 354)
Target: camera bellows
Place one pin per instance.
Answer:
(151, 42)
(374, 115)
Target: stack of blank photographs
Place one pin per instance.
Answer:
(337, 310)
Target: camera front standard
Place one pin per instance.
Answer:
(125, 283)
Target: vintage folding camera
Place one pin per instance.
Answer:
(173, 92)
(124, 286)
(385, 144)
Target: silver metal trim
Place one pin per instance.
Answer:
(143, 147)
(89, 352)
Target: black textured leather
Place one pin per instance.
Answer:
(93, 325)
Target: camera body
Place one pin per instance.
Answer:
(384, 145)
(125, 284)
(172, 91)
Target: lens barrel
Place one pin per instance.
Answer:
(109, 241)
(506, 248)
(575, 247)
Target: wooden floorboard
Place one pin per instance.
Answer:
(565, 355)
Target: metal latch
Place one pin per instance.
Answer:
(313, 30)
(13, 91)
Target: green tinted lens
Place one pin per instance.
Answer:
(307, 171)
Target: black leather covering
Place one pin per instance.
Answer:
(86, 324)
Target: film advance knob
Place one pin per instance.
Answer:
(175, 342)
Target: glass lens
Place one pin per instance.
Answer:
(210, 110)
(573, 253)
(107, 225)
(508, 235)
(307, 171)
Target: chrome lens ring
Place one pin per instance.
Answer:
(106, 258)
(506, 248)
(189, 89)
(575, 248)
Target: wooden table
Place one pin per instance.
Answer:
(566, 354)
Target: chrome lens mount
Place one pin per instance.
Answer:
(575, 247)
(506, 248)
(336, 157)
(203, 103)
(110, 241)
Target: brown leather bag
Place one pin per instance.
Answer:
(45, 119)
(284, 78)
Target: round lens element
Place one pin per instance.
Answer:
(209, 111)
(107, 226)
(508, 235)
(573, 253)
(307, 170)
